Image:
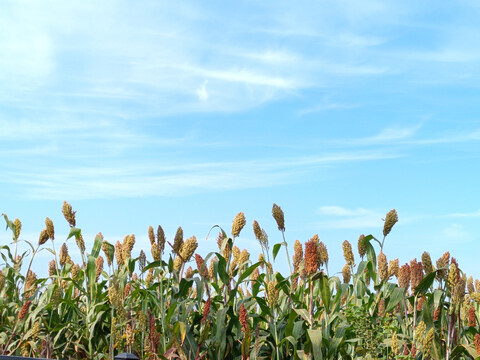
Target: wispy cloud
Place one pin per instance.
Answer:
(337, 217)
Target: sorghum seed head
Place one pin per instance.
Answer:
(442, 263)
(297, 256)
(393, 267)
(49, 228)
(177, 263)
(142, 260)
(119, 253)
(322, 253)
(348, 253)
(311, 257)
(427, 342)
(18, 227)
(419, 331)
(188, 248)
(81, 243)
(161, 238)
(346, 273)
(243, 317)
(244, 257)
(381, 307)
(75, 270)
(404, 276)
(452, 276)
(189, 273)
(257, 230)
(51, 268)
(98, 266)
(178, 241)
(128, 289)
(477, 344)
(202, 270)
(129, 335)
(362, 246)
(151, 235)
(43, 238)
(106, 251)
(211, 269)
(472, 319)
(24, 310)
(470, 286)
(156, 252)
(272, 292)
(427, 263)
(390, 220)
(68, 213)
(206, 310)
(238, 224)
(64, 256)
(416, 273)
(394, 344)
(279, 217)
(382, 266)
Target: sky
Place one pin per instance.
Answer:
(186, 113)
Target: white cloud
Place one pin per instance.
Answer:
(343, 218)
(202, 91)
(456, 234)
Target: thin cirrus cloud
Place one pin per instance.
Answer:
(171, 179)
(337, 217)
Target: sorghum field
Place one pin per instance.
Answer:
(173, 303)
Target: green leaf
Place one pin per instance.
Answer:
(222, 269)
(97, 245)
(394, 299)
(247, 272)
(316, 340)
(426, 283)
(304, 315)
(74, 232)
(325, 292)
(276, 248)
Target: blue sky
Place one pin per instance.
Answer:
(184, 114)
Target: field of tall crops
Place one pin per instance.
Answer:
(171, 302)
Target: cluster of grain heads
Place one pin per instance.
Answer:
(186, 305)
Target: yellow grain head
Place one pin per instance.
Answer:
(393, 267)
(257, 230)
(394, 344)
(297, 255)
(427, 342)
(279, 217)
(390, 220)
(64, 256)
(177, 263)
(149, 277)
(50, 229)
(108, 256)
(151, 235)
(43, 238)
(188, 248)
(470, 286)
(2, 281)
(348, 253)
(129, 337)
(382, 266)
(419, 332)
(18, 227)
(453, 276)
(255, 274)
(75, 270)
(238, 224)
(189, 273)
(161, 239)
(236, 256)
(156, 252)
(272, 292)
(98, 266)
(211, 269)
(443, 263)
(322, 253)
(119, 253)
(427, 263)
(81, 243)
(346, 273)
(362, 246)
(69, 214)
(178, 241)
